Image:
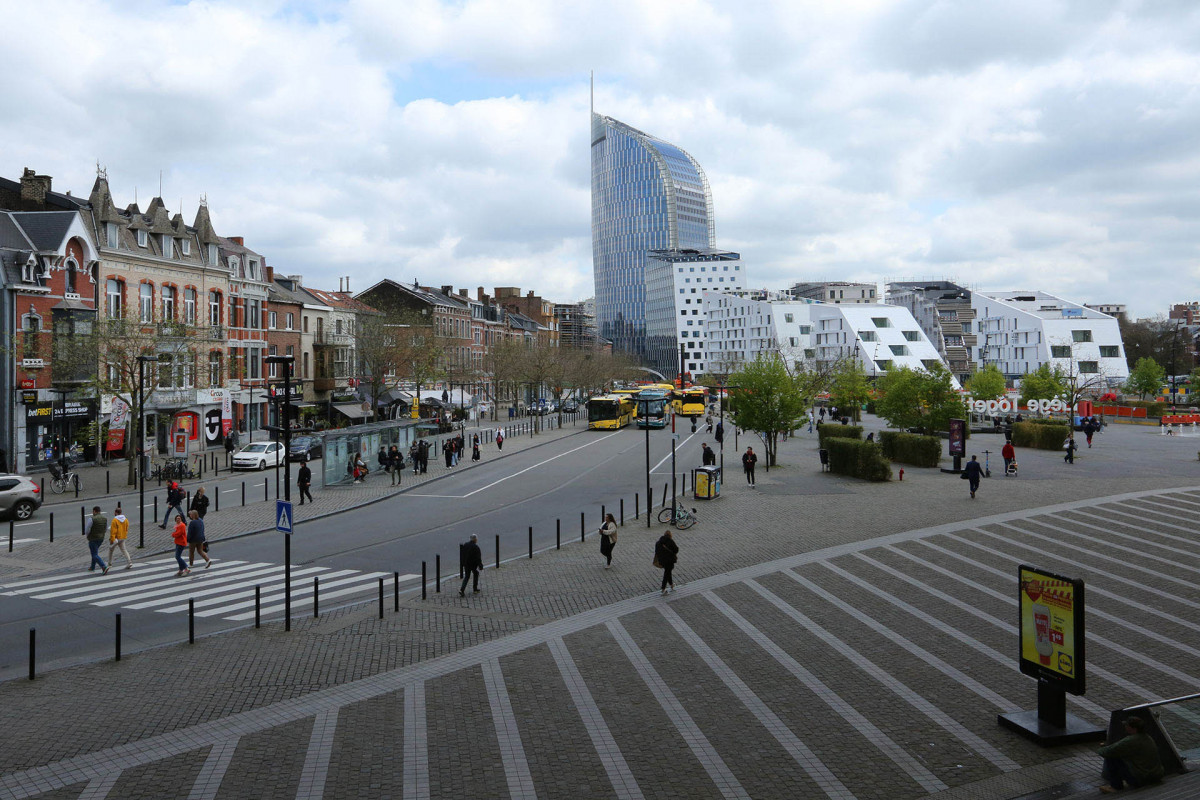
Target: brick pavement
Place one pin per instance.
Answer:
(829, 639)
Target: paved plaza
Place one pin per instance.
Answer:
(828, 639)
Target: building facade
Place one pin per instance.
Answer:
(676, 281)
(943, 310)
(835, 292)
(647, 194)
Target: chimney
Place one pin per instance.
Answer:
(447, 290)
(270, 274)
(34, 189)
(347, 284)
(341, 281)
(296, 279)
(238, 240)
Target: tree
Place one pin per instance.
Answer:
(911, 398)
(418, 351)
(769, 399)
(848, 387)
(987, 384)
(1044, 383)
(1145, 378)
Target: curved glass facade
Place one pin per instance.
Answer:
(647, 194)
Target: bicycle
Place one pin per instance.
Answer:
(678, 516)
(62, 480)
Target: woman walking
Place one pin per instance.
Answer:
(475, 450)
(666, 553)
(608, 538)
(117, 532)
(179, 535)
(199, 503)
(195, 540)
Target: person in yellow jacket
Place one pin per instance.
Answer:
(117, 532)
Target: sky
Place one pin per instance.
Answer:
(1024, 144)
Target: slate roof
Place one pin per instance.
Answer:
(46, 229)
(54, 199)
(339, 300)
(12, 237)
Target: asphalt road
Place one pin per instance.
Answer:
(348, 551)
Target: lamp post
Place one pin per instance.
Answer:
(644, 413)
(140, 472)
(285, 429)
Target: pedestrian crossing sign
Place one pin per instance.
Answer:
(283, 516)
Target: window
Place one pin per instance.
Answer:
(683, 313)
(146, 302)
(291, 321)
(273, 320)
(166, 370)
(214, 308)
(898, 349)
(868, 336)
(252, 269)
(305, 325)
(805, 330)
(253, 363)
(168, 303)
(930, 363)
(72, 275)
(185, 245)
(1060, 351)
(167, 250)
(337, 326)
(881, 322)
(113, 289)
(142, 238)
(189, 306)
(912, 336)
(212, 255)
(1081, 336)
(112, 234)
(1089, 366)
(788, 317)
(1110, 351)
(272, 367)
(291, 351)
(253, 313)
(214, 368)
(305, 362)
(884, 364)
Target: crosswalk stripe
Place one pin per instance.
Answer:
(163, 581)
(61, 577)
(299, 588)
(306, 599)
(240, 590)
(119, 582)
(207, 582)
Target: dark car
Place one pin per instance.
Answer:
(570, 407)
(305, 448)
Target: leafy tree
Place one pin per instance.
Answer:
(1145, 378)
(1044, 383)
(987, 384)
(769, 399)
(849, 387)
(917, 399)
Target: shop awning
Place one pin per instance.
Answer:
(305, 405)
(351, 410)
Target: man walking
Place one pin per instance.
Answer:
(1009, 454)
(707, 457)
(304, 481)
(748, 462)
(973, 471)
(472, 563)
(96, 530)
(174, 501)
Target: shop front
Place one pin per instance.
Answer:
(53, 427)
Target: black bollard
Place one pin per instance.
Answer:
(316, 594)
(622, 511)
(191, 620)
(42, 488)
(76, 488)
(155, 507)
(664, 502)
(83, 523)
(497, 551)
(603, 514)
(649, 505)
(460, 566)
(118, 636)
(217, 498)
(531, 541)
(381, 596)
(582, 532)
(424, 591)
(437, 573)
(243, 493)
(32, 651)
(396, 591)
(188, 499)
(558, 534)
(107, 488)
(51, 526)
(257, 604)
(266, 490)
(10, 535)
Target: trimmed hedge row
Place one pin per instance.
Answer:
(838, 431)
(1040, 435)
(909, 448)
(858, 459)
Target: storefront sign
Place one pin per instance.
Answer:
(117, 424)
(1051, 628)
(29, 397)
(71, 409)
(277, 391)
(28, 383)
(1006, 406)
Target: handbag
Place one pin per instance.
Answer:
(963, 475)
(656, 564)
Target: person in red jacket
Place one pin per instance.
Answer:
(1009, 454)
(179, 535)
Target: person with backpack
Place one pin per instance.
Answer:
(499, 440)
(175, 498)
(472, 563)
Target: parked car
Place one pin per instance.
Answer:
(258, 455)
(570, 407)
(19, 496)
(306, 448)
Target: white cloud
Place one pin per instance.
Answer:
(448, 141)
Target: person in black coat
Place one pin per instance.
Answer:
(666, 553)
(973, 471)
(472, 563)
(748, 462)
(707, 456)
(199, 502)
(303, 481)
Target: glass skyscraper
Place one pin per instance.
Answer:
(647, 194)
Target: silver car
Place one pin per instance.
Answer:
(259, 455)
(19, 496)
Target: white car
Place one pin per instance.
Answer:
(259, 455)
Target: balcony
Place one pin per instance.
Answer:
(179, 330)
(324, 338)
(324, 384)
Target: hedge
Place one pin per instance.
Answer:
(831, 430)
(909, 448)
(1040, 435)
(858, 459)
(1044, 421)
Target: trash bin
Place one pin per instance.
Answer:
(706, 482)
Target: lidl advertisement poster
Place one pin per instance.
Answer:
(1051, 627)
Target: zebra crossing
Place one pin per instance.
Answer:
(226, 590)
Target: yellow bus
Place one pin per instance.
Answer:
(610, 412)
(691, 402)
(631, 394)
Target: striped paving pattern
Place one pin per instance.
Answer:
(225, 590)
(869, 671)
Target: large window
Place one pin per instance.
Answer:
(898, 349)
(1089, 366)
(166, 371)
(146, 302)
(291, 321)
(233, 309)
(189, 306)
(253, 363)
(1110, 351)
(214, 368)
(868, 336)
(881, 322)
(912, 336)
(113, 292)
(272, 367)
(214, 308)
(1081, 336)
(168, 303)
(253, 313)
(1060, 351)
(273, 320)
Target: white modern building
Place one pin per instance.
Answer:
(676, 283)
(1019, 331)
(835, 292)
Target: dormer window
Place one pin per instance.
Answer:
(252, 269)
(185, 245)
(167, 250)
(142, 238)
(112, 234)
(212, 255)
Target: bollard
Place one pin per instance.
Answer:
(381, 593)
(83, 523)
(582, 533)
(664, 502)
(217, 499)
(603, 514)
(42, 488)
(118, 636)
(155, 507)
(622, 511)
(191, 620)
(32, 651)
(243, 493)
(424, 592)
(396, 591)
(531, 541)
(107, 488)
(497, 551)
(460, 566)
(10, 535)
(266, 490)
(649, 505)
(188, 499)
(558, 534)
(637, 505)
(51, 526)
(437, 573)
(76, 481)
(257, 604)
(316, 594)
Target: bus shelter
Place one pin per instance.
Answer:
(341, 444)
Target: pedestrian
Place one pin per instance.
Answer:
(1069, 446)
(499, 440)
(199, 502)
(1132, 760)
(472, 563)
(304, 481)
(475, 450)
(666, 553)
(175, 498)
(871, 436)
(693, 424)
(708, 424)
(414, 455)
(229, 445)
(179, 536)
(1009, 454)
(1089, 430)
(424, 457)
(448, 452)
(118, 531)
(972, 472)
(707, 456)
(360, 468)
(608, 538)
(822, 413)
(385, 463)
(395, 464)
(748, 462)
(719, 433)
(96, 529)
(196, 540)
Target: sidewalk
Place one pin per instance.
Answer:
(829, 638)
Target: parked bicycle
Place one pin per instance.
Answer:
(678, 516)
(63, 478)
(174, 470)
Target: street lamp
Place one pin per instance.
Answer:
(140, 472)
(644, 413)
(285, 428)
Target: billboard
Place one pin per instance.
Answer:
(958, 437)
(1051, 630)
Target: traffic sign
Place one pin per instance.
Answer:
(283, 516)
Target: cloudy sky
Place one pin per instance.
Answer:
(1016, 144)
